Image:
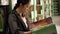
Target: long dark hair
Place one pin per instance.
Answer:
(23, 2)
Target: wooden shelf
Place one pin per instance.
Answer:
(38, 5)
(3, 5)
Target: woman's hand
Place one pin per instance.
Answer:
(28, 32)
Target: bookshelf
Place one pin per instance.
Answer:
(41, 8)
(4, 10)
(55, 7)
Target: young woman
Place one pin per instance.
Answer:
(18, 21)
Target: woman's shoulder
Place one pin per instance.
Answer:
(11, 14)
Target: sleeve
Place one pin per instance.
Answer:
(13, 25)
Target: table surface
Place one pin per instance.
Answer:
(51, 29)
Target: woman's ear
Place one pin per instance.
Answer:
(21, 5)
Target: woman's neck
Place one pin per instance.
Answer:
(19, 10)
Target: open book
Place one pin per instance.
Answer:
(41, 23)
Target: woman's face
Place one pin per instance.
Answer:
(25, 8)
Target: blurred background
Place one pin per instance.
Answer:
(39, 9)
